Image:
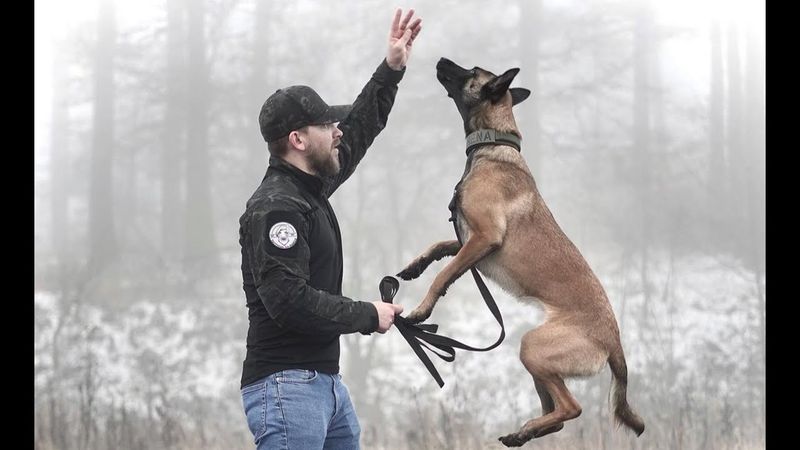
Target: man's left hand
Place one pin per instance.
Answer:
(401, 38)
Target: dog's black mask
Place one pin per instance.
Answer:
(469, 88)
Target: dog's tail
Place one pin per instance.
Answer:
(623, 414)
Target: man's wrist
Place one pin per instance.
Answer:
(372, 319)
(384, 74)
(395, 67)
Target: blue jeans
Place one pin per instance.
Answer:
(301, 409)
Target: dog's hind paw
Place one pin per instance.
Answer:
(512, 440)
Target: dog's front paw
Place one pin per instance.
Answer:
(418, 315)
(512, 440)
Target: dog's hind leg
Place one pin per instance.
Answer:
(547, 406)
(550, 353)
(436, 252)
(566, 408)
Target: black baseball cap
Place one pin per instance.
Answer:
(294, 107)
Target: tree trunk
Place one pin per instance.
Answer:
(717, 177)
(756, 198)
(200, 246)
(642, 49)
(102, 236)
(258, 93)
(528, 116)
(171, 164)
(734, 129)
(59, 165)
(754, 155)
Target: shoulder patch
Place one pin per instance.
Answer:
(283, 229)
(283, 235)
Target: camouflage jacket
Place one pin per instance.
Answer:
(292, 252)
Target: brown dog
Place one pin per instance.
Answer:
(510, 235)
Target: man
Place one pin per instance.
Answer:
(292, 392)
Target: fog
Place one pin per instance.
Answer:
(644, 132)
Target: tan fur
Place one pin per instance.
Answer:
(510, 235)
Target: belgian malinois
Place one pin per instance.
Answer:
(510, 235)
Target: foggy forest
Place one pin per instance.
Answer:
(645, 133)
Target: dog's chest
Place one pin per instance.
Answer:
(494, 265)
(491, 266)
(495, 271)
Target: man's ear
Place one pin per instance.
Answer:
(296, 140)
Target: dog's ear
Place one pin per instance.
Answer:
(518, 95)
(495, 89)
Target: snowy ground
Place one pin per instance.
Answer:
(178, 354)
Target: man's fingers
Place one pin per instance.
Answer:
(416, 29)
(406, 19)
(396, 21)
(397, 308)
(405, 38)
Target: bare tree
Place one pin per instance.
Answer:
(172, 173)
(200, 248)
(258, 90)
(102, 234)
(643, 49)
(530, 38)
(59, 175)
(756, 194)
(717, 176)
(734, 135)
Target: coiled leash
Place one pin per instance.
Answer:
(424, 335)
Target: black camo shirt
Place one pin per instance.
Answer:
(292, 252)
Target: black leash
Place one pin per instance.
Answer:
(424, 335)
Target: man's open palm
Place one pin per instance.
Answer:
(401, 38)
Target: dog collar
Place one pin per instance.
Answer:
(486, 136)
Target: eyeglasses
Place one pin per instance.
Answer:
(326, 126)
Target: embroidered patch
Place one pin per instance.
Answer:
(283, 235)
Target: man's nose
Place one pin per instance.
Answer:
(337, 133)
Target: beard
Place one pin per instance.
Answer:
(325, 162)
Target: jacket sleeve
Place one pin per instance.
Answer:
(365, 121)
(281, 275)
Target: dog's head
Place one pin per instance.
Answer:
(476, 90)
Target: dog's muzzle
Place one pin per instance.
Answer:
(448, 72)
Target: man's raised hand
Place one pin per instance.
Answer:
(401, 38)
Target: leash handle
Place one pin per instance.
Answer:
(388, 288)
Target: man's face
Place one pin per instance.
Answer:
(323, 156)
